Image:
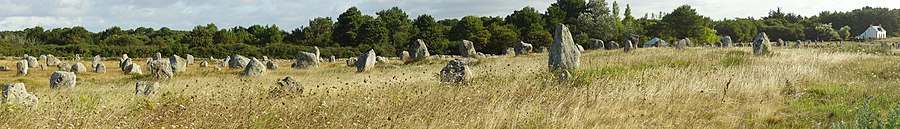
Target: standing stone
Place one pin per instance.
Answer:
(124, 63)
(404, 55)
(254, 68)
(580, 48)
(510, 51)
(161, 70)
(456, 71)
(96, 60)
(315, 50)
(780, 43)
(332, 59)
(22, 68)
(133, 69)
(726, 41)
(4, 68)
(595, 44)
(79, 68)
(178, 64)
(542, 49)
(63, 66)
(62, 79)
(146, 88)
(351, 62)
(271, 65)
(798, 44)
(43, 58)
(418, 50)
(564, 54)
(466, 49)
(523, 48)
(680, 44)
(157, 56)
(367, 61)
(761, 44)
(189, 58)
(100, 68)
(204, 64)
(237, 61)
(77, 57)
(628, 46)
(286, 87)
(52, 60)
(32, 62)
(611, 45)
(16, 94)
(306, 60)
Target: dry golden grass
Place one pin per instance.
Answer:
(648, 88)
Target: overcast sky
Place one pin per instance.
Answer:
(97, 15)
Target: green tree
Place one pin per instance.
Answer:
(376, 35)
(433, 34)
(319, 32)
(347, 27)
(530, 26)
(845, 33)
(399, 26)
(598, 22)
(684, 22)
(470, 28)
(502, 37)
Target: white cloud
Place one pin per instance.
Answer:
(97, 15)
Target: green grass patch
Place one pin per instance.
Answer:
(839, 103)
(734, 58)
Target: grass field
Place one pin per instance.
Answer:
(846, 86)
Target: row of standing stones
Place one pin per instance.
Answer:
(564, 57)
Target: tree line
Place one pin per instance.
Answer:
(392, 30)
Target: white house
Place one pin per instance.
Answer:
(873, 32)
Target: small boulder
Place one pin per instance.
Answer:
(100, 68)
(161, 70)
(189, 59)
(595, 44)
(96, 60)
(78, 68)
(611, 45)
(133, 69)
(51, 60)
(271, 65)
(32, 62)
(523, 48)
(286, 87)
(306, 60)
(146, 88)
(125, 62)
(63, 66)
(254, 68)
(237, 61)
(404, 55)
(16, 94)
(332, 59)
(204, 64)
(456, 71)
(62, 79)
